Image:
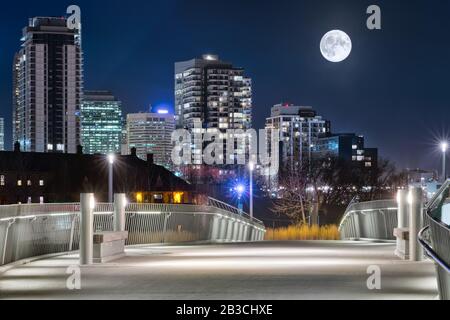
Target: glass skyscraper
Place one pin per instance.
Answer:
(47, 87)
(101, 123)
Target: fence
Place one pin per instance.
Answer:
(33, 230)
(370, 220)
(435, 238)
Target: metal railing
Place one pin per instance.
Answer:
(435, 239)
(370, 220)
(32, 230)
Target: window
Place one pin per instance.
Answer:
(41, 200)
(2, 180)
(19, 183)
(41, 183)
(28, 182)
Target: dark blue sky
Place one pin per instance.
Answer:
(394, 88)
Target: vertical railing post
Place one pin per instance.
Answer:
(72, 233)
(357, 225)
(415, 199)
(166, 220)
(5, 240)
(87, 204)
(215, 228)
(120, 202)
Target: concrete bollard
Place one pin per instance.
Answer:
(415, 201)
(230, 229)
(87, 204)
(120, 203)
(215, 228)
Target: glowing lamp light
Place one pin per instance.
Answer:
(444, 146)
(111, 158)
(163, 111)
(92, 203)
(251, 166)
(240, 188)
(139, 197)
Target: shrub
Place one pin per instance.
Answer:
(303, 232)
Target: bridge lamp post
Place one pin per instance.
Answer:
(444, 148)
(251, 167)
(111, 159)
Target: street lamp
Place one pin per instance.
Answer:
(251, 167)
(111, 159)
(444, 148)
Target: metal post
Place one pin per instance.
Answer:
(215, 228)
(444, 160)
(5, 240)
(166, 220)
(251, 191)
(87, 228)
(120, 202)
(415, 199)
(110, 182)
(402, 211)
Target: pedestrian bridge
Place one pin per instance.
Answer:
(228, 260)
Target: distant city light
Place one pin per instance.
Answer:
(163, 111)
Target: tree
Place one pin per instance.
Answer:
(330, 182)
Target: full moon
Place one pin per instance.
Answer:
(336, 46)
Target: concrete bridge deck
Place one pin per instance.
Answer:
(265, 270)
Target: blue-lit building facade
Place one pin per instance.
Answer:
(348, 147)
(101, 123)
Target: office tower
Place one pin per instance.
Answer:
(151, 133)
(347, 147)
(47, 87)
(2, 134)
(299, 128)
(212, 95)
(101, 123)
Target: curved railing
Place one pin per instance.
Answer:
(435, 237)
(33, 230)
(369, 220)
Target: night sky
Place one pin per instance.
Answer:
(394, 89)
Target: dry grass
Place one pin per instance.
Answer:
(303, 232)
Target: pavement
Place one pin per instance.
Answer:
(261, 271)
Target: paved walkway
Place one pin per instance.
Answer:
(267, 270)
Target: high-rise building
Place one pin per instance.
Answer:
(2, 134)
(47, 87)
(348, 147)
(101, 123)
(151, 134)
(212, 95)
(300, 128)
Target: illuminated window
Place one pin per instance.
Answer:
(2, 180)
(41, 200)
(28, 182)
(19, 183)
(139, 197)
(178, 197)
(41, 183)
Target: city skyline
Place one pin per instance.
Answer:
(306, 78)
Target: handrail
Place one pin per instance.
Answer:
(430, 251)
(433, 200)
(375, 205)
